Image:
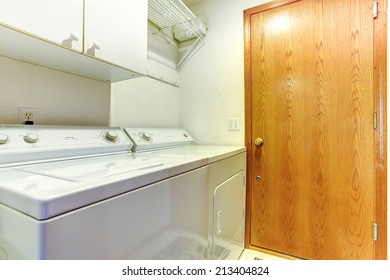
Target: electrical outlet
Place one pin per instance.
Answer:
(26, 114)
(233, 124)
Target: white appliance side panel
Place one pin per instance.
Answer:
(224, 169)
(227, 175)
(51, 189)
(165, 220)
(125, 226)
(19, 235)
(228, 237)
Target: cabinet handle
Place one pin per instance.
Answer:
(95, 46)
(72, 37)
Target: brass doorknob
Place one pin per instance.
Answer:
(259, 142)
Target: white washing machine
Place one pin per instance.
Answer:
(226, 170)
(80, 193)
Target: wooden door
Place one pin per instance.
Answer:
(311, 91)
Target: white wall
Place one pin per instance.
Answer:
(60, 98)
(212, 82)
(144, 102)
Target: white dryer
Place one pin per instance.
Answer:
(80, 193)
(226, 171)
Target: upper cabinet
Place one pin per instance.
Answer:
(116, 31)
(58, 21)
(100, 39)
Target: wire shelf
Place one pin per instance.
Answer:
(168, 13)
(175, 16)
(177, 25)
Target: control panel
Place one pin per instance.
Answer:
(20, 143)
(145, 139)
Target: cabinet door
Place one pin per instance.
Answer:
(116, 31)
(51, 20)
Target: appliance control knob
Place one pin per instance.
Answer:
(31, 138)
(146, 136)
(3, 138)
(111, 136)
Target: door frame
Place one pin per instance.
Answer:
(380, 133)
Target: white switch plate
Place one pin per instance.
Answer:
(233, 124)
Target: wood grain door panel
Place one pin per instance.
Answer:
(312, 103)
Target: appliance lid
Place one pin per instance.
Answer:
(212, 152)
(49, 189)
(96, 168)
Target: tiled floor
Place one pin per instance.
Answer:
(255, 255)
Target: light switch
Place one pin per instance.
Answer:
(233, 124)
